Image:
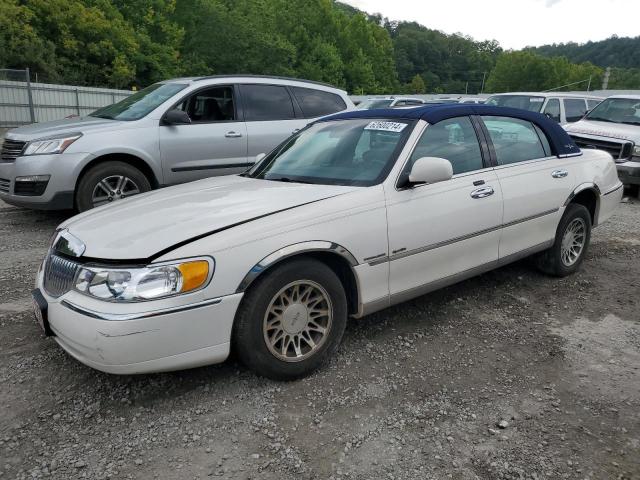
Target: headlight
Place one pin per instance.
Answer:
(636, 151)
(145, 283)
(50, 145)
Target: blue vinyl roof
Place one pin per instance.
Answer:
(561, 143)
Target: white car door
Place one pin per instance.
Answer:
(439, 230)
(214, 143)
(534, 183)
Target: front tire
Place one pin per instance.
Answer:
(571, 243)
(108, 182)
(291, 320)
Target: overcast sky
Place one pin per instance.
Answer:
(517, 23)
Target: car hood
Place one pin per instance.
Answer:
(62, 127)
(142, 227)
(620, 131)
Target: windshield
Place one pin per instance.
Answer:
(141, 103)
(523, 102)
(374, 103)
(358, 152)
(617, 110)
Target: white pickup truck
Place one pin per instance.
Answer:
(614, 126)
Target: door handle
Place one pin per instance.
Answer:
(233, 135)
(559, 173)
(482, 192)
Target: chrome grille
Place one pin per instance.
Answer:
(11, 149)
(618, 150)
(59, 274)
(4, 185)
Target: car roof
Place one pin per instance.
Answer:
(560, 142)
(250, 77)
(550, 94)
(630, 97)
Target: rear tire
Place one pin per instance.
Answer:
(108, 182)
(571, 243)
(291, 320)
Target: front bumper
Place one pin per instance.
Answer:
(145, 341)
(629, 172)
(63, 170)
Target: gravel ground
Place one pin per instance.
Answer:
(505, 376)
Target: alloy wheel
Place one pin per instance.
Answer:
(112, 188)
(297, 321)
(573, 241)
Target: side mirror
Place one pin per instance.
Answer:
(176, 117)
(430, 170)
(260, 156)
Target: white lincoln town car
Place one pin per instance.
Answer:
(356, 212)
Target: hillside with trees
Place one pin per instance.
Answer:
(132, 43)
(612, 52)
(620, 53)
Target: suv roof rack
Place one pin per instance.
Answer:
(276, 77)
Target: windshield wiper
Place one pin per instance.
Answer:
(101, 116)
(287, 179)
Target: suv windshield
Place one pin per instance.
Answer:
(617, 110)
(374, 103)
(358, 152)
(523, 102)
(141, 103)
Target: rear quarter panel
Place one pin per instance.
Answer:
(595, 167)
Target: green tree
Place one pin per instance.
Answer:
(526, 71)
(445, 62)
(21, 45)
(417, 85)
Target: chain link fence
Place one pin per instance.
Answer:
(23, 102)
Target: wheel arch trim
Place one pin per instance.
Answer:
(581, 188)
(587, 186)
(290, 251)
(131, 157)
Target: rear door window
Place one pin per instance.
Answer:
(574, 109)
(266, 102)
(514, 140)
(591, 104)
(317, 103)
(552, 109)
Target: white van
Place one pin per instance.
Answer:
(561, 107)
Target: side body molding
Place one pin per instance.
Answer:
(290, 250)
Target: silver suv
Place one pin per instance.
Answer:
(171, 132)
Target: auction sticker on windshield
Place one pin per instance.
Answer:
(386, 126)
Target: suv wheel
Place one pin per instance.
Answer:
(109, 182)
(571, 243)
(291, 320)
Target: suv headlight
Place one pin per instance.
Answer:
(636, 151)
(144, 283)
(47, 146)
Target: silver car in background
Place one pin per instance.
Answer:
(171, 132)
(389, 102)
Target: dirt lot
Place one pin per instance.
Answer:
(509, 375)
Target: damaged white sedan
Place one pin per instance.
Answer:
(355, 213)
